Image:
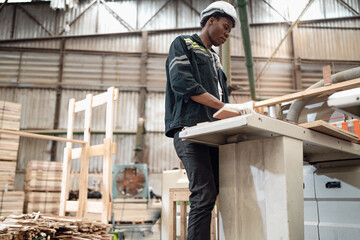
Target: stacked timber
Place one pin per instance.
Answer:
(43, 187)
(40, 226)
(11, 202)
(9, 120)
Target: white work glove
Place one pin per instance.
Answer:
(242, 108)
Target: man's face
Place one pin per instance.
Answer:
(219, 30)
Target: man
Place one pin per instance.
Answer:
(196, 89)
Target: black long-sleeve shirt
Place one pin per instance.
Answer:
(191, 70)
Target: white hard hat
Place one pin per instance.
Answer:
(222, 7)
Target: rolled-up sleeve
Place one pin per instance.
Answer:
(180, 70)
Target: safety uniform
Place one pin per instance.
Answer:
(191, 69)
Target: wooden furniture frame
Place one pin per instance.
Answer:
(182, 195)
(86, 151)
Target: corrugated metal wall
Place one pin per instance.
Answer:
(92, 63)
(38, 106)
(337, 40)
(129, 43)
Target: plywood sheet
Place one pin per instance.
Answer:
(327, 128)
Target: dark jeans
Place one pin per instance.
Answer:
(201, 163)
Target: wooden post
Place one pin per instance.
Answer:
(213, 225)
(107, 174)
(183, 220)
(327, 75)
(84, 168)
(67, 159)
(107, 159)
(172, 217)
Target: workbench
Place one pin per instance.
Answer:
(261, 172)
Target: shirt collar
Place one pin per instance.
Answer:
(198, 39)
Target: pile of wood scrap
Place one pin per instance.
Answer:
(11, 202)
(39, 226)
(43, 187)
(9, 120)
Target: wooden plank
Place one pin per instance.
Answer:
(39, 136)
(310, 92)
(172, 217)
(183, 221)
(224, 113)
(84, 168)
(107, 175)
(98, 100)
(180, 194)
(327, 128)
(65, 182)
(213, 225)
(228, 113)
(94, 150)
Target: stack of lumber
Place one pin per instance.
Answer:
(39, 226)
(9, 144)
(43, 187)
(11, 203)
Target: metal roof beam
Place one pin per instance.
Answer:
(351, 9)
(78, 16)
(115, 15)
(162, 7)
(35, 20)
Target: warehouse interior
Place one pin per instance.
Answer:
(106, 60)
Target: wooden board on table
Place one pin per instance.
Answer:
(226, 113)
(327, 128)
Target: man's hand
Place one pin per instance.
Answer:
(242, 108)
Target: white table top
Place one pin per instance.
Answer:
(317, 146)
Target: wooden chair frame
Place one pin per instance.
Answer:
(86, 151)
